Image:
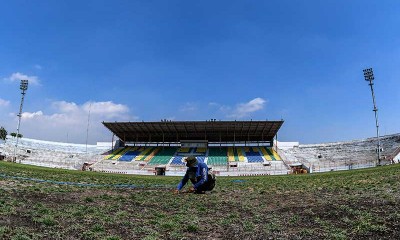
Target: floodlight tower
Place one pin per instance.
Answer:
(24, 87)
(369, 76)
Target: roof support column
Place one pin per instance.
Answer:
(112, 143)
(163, 141)
(149, 137)
(234, 137)
(220, 139)
(205, 132)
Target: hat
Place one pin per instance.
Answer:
(191, 161)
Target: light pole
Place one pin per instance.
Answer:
(23, 86)
(369, 76)
(87, 129)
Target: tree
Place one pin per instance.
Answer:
(13, 134)
(3, 133)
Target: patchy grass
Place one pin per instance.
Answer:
(358, 204)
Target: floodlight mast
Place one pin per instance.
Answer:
(24, 87)
(369, 76)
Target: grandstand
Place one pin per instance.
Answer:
(230, 148)
(52, 154)
(343, 155)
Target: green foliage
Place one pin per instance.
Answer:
(21, 236)
(47, 220)
(89, 199)
(113, 238)
(3, 133)
(192, 227)
(13, 134)
(248, 226)
(4, 230)
(98, 228)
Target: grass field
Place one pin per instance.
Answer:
(359, 204)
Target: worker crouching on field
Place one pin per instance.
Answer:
(199, 175)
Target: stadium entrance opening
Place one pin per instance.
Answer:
(160, 171)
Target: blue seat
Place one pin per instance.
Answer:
(177, 160)
(253, 157)
(129, 156)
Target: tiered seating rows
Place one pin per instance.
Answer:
(177, 160)
(163, 156)
(216, 156)
(253, 155)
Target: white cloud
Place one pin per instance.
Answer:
(4, 103)
(245, 109)
(71, 119)
(65, 107)
(20, 76)
(28, 115)
(105, 108)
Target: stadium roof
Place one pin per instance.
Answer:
(212, 131)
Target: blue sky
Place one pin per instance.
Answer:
(148, 60)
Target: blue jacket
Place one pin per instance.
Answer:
(202, 172)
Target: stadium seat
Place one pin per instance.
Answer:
(177, 160)
(217, 156)
(163, 156)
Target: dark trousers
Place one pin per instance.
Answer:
(202, 188)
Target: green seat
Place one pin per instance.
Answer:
(163, 156)
(217, 156)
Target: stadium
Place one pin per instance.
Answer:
(230, 148)
(100, 191)
(199, 120)
(127, 188)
